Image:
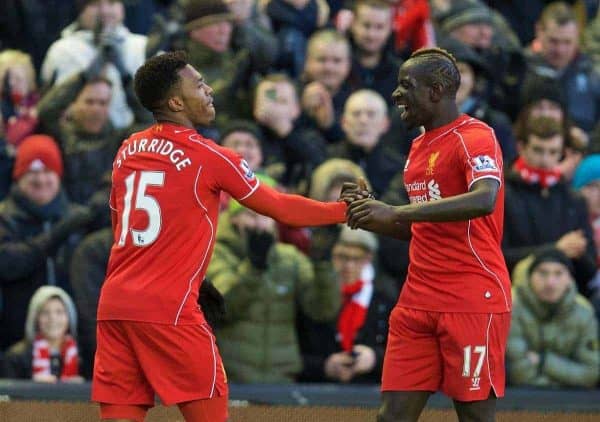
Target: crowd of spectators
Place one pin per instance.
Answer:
(302, 90)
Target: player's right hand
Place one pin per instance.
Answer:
(353, 192)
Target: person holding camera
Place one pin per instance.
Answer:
(262, 280)
(98, 32)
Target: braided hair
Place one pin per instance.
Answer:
(438, 68)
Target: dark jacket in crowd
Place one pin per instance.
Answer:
(318, 341)
(87, 157)
(498, 121)
(293, 158)
(257, 339)
(6, 165)
(380, 164)
(534, 217)
(33, 25)
(24, 265)
(87, 272)
(382, 79)
(581, 84)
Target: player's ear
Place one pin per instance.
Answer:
(436, 92)
(175, 103)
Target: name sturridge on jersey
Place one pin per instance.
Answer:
(157, 146)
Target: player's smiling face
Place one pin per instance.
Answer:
(412, 96)
(197, 97)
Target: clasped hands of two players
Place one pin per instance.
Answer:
(364, 212)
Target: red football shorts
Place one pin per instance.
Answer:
(460, 354)
(134, 360)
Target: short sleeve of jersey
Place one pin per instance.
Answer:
(480, 154)
(232, 173)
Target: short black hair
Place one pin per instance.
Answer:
(155, 78)
(439, 67)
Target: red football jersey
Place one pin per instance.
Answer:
(456, 266)
(166, 184)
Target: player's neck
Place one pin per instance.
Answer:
(173, 119)
(446, 114)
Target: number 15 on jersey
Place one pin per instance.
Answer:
(143, 202)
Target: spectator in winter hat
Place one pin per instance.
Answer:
(49, 352)
(587, 181)
(39, 228)
(553, 340)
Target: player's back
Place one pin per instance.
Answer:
(165, 192)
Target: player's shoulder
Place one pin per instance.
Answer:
(210, 149)
(473, 125)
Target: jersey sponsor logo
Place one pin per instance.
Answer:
(423, 191)
(248, 173)
(431, 163)
(434, 190)
(484, 163)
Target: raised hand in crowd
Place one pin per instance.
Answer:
(259, 243)
(318, 104)
(573, 244)
(267, 110)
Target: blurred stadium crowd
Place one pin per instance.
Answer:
(302, 90)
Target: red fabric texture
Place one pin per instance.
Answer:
(352, 316)
(459, 354)
(162, 278)
(136, 360)
(35, 153)
(456, 266)
(69, 356)
(207, 410)
(532, 175)
(295, 210)
(412, 25)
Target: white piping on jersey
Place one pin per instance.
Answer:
(212, 347)
(449, 130)
(251, 192)
(486, 176)
(469, 229)
(487, 353)
(222, 156)
(212, 233)
(493, 274)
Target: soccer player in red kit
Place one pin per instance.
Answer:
(152, 336)
(449, 329)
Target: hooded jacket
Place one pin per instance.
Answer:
(258, 341)
(565, 335)
(19, 357)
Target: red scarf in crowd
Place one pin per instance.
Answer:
(69, 356)
(356, 298)
(545, 178)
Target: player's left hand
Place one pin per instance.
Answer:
(369, 214)
(352, 191)
(365, 359)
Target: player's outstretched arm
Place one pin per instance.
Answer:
(375, 215)
(295, 210)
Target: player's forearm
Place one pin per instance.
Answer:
(457, 208)
(295, 210)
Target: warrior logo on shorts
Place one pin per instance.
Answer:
(248, 173)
